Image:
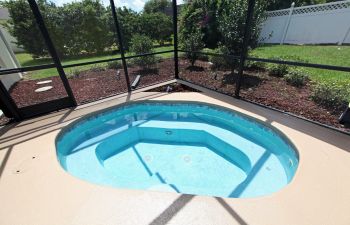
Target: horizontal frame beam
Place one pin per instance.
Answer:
(213, 54)
(292, 63)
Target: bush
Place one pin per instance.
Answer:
(278, 70)
(255, 64)
(221, 62)
(114, 65)
(216, 60)
(97, 68)
(141, 44)
(297, 78)
(331, 95)
(193, 43)
(75, 72)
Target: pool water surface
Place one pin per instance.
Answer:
(191, 148)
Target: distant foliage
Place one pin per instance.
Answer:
(141, 44)
(154, 6)
(157, 26)
(22, 25)
(82, 27)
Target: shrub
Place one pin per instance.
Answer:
(222, 62)
(97, 68)
(331, 95)
(255, 64)
(278, 70)
(114, 65)
(193, 43)
(216, 60)
(297, 78)
(141, 44)
(75, 72)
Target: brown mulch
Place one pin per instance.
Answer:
(90, 85)
(262, 88)
(258, 87)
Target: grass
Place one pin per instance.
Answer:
(25, 59)
(328, 55)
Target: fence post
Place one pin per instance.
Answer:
(247, 29)
(121, 46)
(345, 36)
(286, 26)
(51, 48)
(176, 56)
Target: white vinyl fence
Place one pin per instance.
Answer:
(316, 24)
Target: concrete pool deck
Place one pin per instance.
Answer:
(35, 190)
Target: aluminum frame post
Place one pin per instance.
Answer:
(176, 55)
(51, 48)
(248, 23)
(121, 46)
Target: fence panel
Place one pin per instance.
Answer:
(316, 24)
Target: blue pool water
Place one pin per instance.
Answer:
(179, 147)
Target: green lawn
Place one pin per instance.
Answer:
(26, 60)
(328, 55)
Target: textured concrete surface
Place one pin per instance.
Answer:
(35, 190)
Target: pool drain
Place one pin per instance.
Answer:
(187, 158)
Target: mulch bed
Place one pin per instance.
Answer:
(258, 87)
(90, 85)
(262, 88)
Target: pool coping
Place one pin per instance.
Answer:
(43, 193)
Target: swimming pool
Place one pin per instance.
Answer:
(183, 147)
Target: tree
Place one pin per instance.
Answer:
(193, 44)
(153, 6)
(141, 44)
(232, 22)
(128, 21)
(75, 28)
(201, 14)
(222, 24)
(157, 26)
(23, 26)
(85, 27)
